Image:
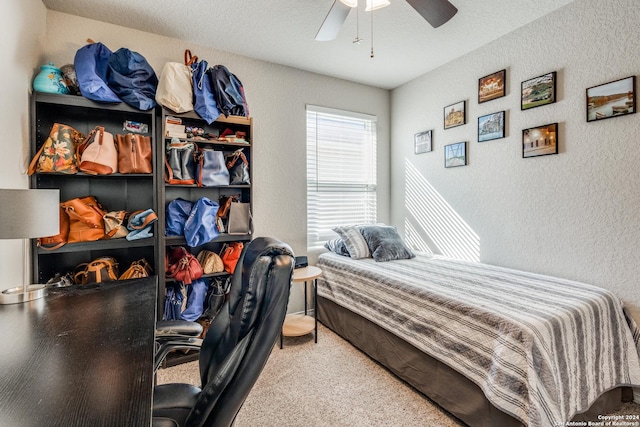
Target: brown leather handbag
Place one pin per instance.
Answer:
(134, 153)
(103, 269)
(115, 224)
(85, 219)
(210, 262)
(137, 270)
(60, 239)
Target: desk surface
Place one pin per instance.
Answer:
(80, 356)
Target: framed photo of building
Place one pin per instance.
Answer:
(422, 142)
(613, 99)
(491, 126)
(492, 86)
(455, 114)
(540, 140)
(538, 91)
(455, 154)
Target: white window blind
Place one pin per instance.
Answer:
(341, 171)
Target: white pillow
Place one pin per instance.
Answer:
(353, 240)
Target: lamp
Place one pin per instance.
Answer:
(27, 214)
(350, 3)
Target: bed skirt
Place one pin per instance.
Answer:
(450, 390)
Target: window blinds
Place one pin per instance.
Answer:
(341, 171)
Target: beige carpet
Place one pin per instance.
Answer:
(329, 384)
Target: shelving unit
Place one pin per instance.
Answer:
(128, 192)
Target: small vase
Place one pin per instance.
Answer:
(50, 80)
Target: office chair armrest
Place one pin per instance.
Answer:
(172, 328)
(166, 347)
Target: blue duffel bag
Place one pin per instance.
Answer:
(201, 227)
(177, 212)
(90, 64)
(131, 77)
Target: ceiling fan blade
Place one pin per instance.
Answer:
(333, 22)
(436, 12)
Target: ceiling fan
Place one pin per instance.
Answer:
(436, 12)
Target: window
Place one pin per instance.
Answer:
(341, 171)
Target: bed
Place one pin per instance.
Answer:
(493, 346)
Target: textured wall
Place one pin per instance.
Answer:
(277, 96)
(22, 32)
(573, 215)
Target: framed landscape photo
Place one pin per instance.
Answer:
(491, 126)
(538, 91)
(455, 114)
(422, 142)
(492, 86)
(540, 140)
(613, 99)
(455, 154)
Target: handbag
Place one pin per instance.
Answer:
(132, 78)
(103, 269)
(175, 87)
(179, 162)
(90, 63)
(196, 294)
(204, 103)
(176, 214)
(140, 223)
(183, 266)
(115, 224)
(200, 227)
(238, 167)
(211, 169)
(58, 153)
(137, 269)
(210, 262)
(228, 91)
(240, 220)
(98, 154)
(85, 219)
(230, 256)
(134, 153)
(172, 303)
(60, 239)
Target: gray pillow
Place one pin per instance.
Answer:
(337, 246)
(353, 240)
(385, 243)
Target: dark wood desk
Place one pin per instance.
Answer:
(81, 356)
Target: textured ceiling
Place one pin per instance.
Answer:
(282, 31)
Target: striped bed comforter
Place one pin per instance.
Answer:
(541, 348)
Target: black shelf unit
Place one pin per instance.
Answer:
(129, 192)
(169, 192)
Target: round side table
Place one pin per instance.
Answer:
(296, 325)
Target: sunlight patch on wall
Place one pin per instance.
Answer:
(436, 221)
(413, 237)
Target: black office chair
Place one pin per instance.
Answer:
(237, 344)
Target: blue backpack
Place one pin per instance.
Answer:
(131, 77)
(204, 102)
(90, 64)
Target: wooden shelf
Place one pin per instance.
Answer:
(296, 325)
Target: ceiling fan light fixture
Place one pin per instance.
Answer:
(350, 3)
(376, 4)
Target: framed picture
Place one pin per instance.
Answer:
(422, 142)
(617, 98)
(492, 86)
(538, 91)
(540, 141)
(491, 126)
(455, 154)
(455, 114)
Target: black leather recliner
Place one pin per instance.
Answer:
(238, 342)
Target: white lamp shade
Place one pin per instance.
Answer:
(376, 4)
(29, 213)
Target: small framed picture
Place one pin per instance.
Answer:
(422, 142)
(455, 154)
(540, 141)
(538, 91)
(455, 114)
(492, 86)
(491, 126)
(617, 98)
